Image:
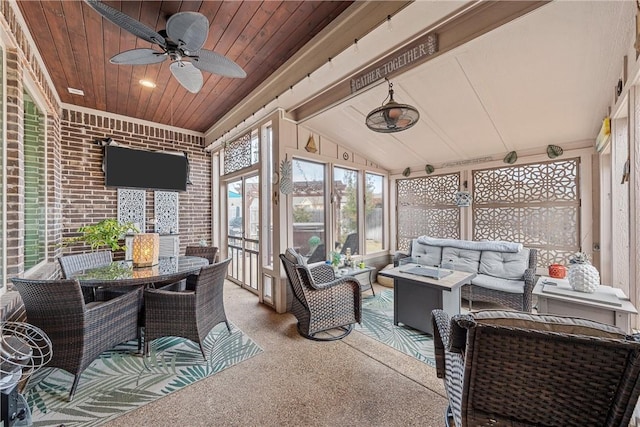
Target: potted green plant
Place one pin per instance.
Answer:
(108, 232)
(335, 259)
(314, 241)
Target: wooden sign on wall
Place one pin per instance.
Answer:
(413, 53)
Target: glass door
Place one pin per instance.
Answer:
(243, 231)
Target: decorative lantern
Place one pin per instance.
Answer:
(463, 197)
(146, 248)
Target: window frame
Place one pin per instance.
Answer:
(31, 88)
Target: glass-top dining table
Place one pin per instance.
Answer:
(123, 273)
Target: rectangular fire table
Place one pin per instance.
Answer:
(415, 295)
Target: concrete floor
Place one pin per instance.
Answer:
(356, 381)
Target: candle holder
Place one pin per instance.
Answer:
(146, 249)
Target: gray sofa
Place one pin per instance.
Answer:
(505, 270)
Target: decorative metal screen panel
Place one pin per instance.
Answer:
(537, 205)
(131, 207)
(237, 154)
(166, 211)
(426, 206)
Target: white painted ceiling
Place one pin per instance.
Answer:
(545, 78)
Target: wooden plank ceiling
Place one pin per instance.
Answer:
(76, 43)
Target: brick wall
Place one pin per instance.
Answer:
(86, 200)
(15, 165)
(75, 189)
(21, 63)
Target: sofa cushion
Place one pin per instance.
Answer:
(463, 259)
(482, 245)
(506, 265)
(499, 284)
(427, 254)
(295, 257)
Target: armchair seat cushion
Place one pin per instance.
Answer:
(498, 284)
(548, 323)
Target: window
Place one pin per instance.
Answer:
(345, 206)
(345, 214)
(373, 213)
(34, 184)
(309, 235)
(269, 179)
(255, 151)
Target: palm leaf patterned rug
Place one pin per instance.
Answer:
(121, 380)
(377, 323)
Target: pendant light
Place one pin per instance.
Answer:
(392, 117)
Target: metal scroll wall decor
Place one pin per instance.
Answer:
(131, 207)
(463, 197)
(166, 211)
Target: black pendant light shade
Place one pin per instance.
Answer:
(392, 117)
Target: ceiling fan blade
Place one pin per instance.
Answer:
(138, 57)
(127, 23)
(189, 30)
(187, 75)
(215, 63)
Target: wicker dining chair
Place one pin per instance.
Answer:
(509, 368)
(72, 264)
(189, 314)
(208, 252)
(79, 332)
(320, 301)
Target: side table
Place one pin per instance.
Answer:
(362, 275)
(606, 305)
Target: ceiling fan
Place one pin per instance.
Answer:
(181, 42)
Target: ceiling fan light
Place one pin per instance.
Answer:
(147, 83)
(392, 117)
(392, 111)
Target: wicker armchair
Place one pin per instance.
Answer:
(508, 368)
(189, 314)
(208, 252)
(320, 301)
(79, 332)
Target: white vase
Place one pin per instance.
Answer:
(583, 277)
